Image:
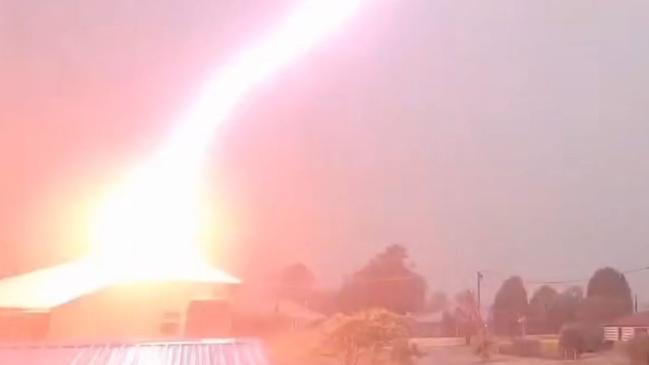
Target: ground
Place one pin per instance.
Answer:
(290, 351)
(462, 356)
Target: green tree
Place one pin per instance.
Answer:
(387, 281)
(296, 282)
(565, 307)
(541, 303)
(608, 296)
(510, 306)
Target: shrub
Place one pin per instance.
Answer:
(581, 337)
(369, 332)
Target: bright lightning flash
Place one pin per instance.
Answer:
(149, 226)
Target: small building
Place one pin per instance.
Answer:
(627, 327)
(71, 303)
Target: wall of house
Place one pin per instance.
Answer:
(146, 311)
(18, 326)
(616, 333)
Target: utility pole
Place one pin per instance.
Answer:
(479, 278)
(635, 303)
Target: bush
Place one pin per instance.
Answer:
(581, 337)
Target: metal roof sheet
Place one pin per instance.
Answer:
(225, 352)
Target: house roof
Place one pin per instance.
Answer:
(50, 287)
(218, 352)
(640, 319)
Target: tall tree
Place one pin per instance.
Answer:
(438, 301)
(608, 296)
(296, 282)
(387, 281)
(467, 314)
(541, 303)
(510, 305)
(565, 307)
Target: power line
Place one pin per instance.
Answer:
(563, 282)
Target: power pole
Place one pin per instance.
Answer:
(479, 278)
(635, 303)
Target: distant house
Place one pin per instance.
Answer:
(626, 328)
(259, 310)
(71, 303)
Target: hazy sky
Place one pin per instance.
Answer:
(505, 135)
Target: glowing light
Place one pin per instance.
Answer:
(149, 226)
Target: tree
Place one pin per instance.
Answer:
(437, 302)
(608, 296)
(542, 301)
(510, 306)
(367, 332)
(467, 314)
(565, 307)
(387, 281)
(296, 282)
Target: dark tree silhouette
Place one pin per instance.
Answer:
(542, 302)
(565, 308)
(387, 281)
(510, 305)
(467, 314)
(438, 301)
(608, 296)
(296, 282)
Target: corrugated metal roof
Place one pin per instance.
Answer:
(226, 352)
(50, 287)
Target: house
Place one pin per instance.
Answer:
(627, 327)
(72, 303)
(258, 310)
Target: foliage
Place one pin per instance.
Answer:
(509, 306)
(565, 308)
(595, 309)
(577, 338)
(608, 294)
(542, 302)
(387, 282)
(466, 301)
(367, 332)
(437, 302)
(296, 282)
(466, 314)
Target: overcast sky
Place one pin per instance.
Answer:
(510, 136)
